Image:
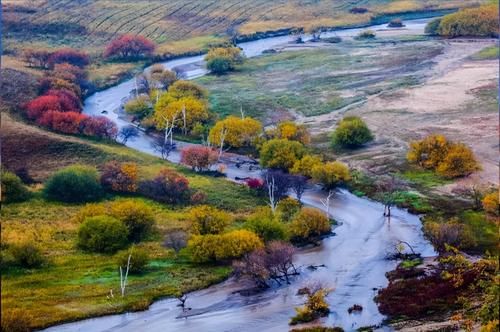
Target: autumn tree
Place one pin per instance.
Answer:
(63, 122)
(479, 22)
(120, 177)
(306, 164)
(223, 59)
(99, 126)
(309, 224)
(459, 161)
(160, 77)
(291, 131)
(281, 153)
(40, 105)
(139, 107)
(129, 47)
(137, 216)
(181, 89)
(235, 132)
(490, 204)
(199, 158)
(69, 55)
(266, 225)
(168, 187)
(351, 132)
(449, 233)
(331, 174)
(68, 100)
(208, 220)
(315, 306)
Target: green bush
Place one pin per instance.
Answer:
(287, 208)
(74, 184)
(139, 259)
(432, 28)
(268, 229)
(219, 65)
(102, 234)
(26, 255)
(351, 132)
(13, 189)
(137, 217)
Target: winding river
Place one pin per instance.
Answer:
(354, 259)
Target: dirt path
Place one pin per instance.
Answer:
(447, 102)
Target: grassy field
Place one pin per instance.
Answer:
(318, 80)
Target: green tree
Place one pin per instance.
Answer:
(352, 132)
(281, 153)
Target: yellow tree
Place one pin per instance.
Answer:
(331, 174)
(305, 165)
(291, 131)
(235, 132)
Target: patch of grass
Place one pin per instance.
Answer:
(191, 45)
(410, 263)
(484, 231)
(487, 53)
(107, 74)
(424, 178)
(413, 201)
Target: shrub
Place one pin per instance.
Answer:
(208, 220)
(254, 183)
(331, 174)
(77, 74)
(199, 197)
(40, 105)
(451, 232)
(13, 189)
(206, 248)
(219, 65)
(137, 217)
(223, 59)
(281, 153)
(396, 23)
(267, 227)
(102, 234)
(139, 107)
(478, 22)
(367, 34)
(181, 89)
(309, 224)
(287, 208)
(490, 203)
(74, 184)
(119, 177)
(71, 56)
(68, 100)
(449, 159)
(129, 47)
(36, 58)
(351, 132)
(199, 158)
(16, 320)
(432, 28)
(168, 187)
(64, 122)
(176, 240)
(139, 259)
(314, 307)
(99, 126)
(26, 255)
(318, 329)
(291, 131)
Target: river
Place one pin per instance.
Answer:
(355, 258)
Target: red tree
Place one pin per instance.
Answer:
(168, 187)
(99, 126)
(129, 46)
(40, 105)
(78, 75)
(64, 122)
(68, 100)
(69, 55)
(198, 157)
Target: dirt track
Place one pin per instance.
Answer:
(449, 102)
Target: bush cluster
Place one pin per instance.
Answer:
(74, 184)
(351, 132)
(13, 189)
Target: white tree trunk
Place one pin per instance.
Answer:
(123, 278)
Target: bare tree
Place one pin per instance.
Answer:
(123, 278)
(176, 240)
(128, 132)
(474, 192)
(163, 148)
(298, 183)
(326, 203)
(277, 184)
(388, 188)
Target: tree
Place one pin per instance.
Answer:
(432, 28)
(331, 174)
(40, 105)
(199, 158)
(388, 189)
(223, 59)
(182, 89)
(176, 240)
(69, 55)
(351, 132)
(74, 184)
(235, 132)
(129, 47)
(167, 187)
(479, 22)
(291, 131)
(315, 306)
(280, 153)
(266, 226)
(102, 234)
(234, 244)
(128, 132)
(181, 113)
(208, 220)
(160, 77)
(119, 177)
(12, 189)
(306, 164)
(64, 122)
(139, 107)
(298, 185)
(447, 158)
(287, 209)
(490, 203)
(459, 161)
(276, 184)
(309, 224)
(68, 100)
(99, 126)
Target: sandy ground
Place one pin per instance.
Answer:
(446, 103)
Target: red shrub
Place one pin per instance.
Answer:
(198, 157)
(119, 177)
(62, 69)
(40, 105)
(69, 55)
(254, 183)
(168, 187)
(68, 100)
(99, 126)
(64, 122)
(129, 46)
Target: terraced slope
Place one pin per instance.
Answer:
(91, 23)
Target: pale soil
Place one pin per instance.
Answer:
(445, 103)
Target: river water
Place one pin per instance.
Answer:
(354, 258)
